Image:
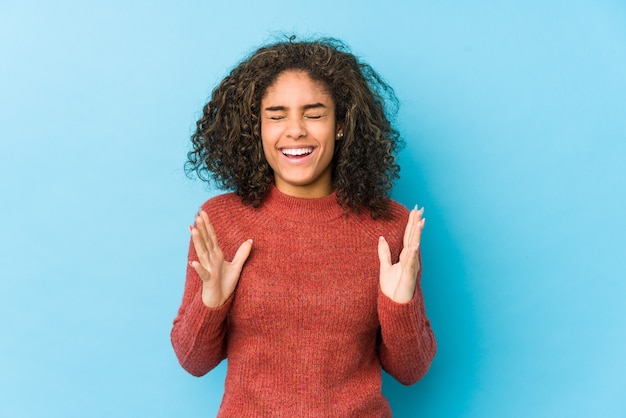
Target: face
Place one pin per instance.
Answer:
(298, 132)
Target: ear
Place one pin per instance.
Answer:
(339, 133)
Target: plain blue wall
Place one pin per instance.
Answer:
(515, 121)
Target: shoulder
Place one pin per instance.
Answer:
(221, 199)
(393, 222)
(226, 201)
(225, 208)
(395, 217)
(397, 211)
(391, 226)
(231, 219)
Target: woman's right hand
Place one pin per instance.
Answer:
(219, 277)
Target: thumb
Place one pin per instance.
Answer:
(384, 254)
(242, 254)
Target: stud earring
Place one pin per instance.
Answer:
(339, 135)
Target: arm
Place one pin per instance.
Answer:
(407, 345)
(199, 331)
(198, 334)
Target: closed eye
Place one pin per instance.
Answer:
(314, 116)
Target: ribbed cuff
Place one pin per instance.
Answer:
(204, 320)
(399, 320)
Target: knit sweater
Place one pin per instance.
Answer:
(308, 329)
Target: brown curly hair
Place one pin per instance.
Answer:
(227, 148)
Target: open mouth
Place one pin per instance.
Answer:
(296, 152)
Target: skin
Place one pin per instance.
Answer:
(298, 117)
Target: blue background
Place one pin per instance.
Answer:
(515, 122)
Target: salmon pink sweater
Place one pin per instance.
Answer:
(307, 330)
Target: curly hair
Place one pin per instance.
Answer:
(227, 148)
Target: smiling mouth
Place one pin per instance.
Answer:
(296, 152)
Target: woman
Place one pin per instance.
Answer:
(323, 290)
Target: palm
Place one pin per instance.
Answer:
(398, 281)
(219, 277)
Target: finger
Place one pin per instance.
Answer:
(200, 270)
(409, 228)
(409, 259)
(210, 235)
(416, 231)
(242, 255)
(199, 246)
(384, 253)
(202, 230)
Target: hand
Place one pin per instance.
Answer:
(398, 281)
(219, 277)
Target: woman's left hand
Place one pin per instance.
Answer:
(398, 281)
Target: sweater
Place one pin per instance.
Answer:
(307, 330)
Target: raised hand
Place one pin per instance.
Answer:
(219, 277)
(398, 281)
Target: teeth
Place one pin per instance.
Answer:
(297, 151)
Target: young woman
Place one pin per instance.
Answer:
(307, 276)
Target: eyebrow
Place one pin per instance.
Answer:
(305, 107)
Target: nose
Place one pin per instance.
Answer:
(296, 128)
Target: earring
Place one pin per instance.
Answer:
(339, 135)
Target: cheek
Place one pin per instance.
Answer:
(269, 133)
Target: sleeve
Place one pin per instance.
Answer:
(407, 345)
(199, 333)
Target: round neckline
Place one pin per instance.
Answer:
(316, 209)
